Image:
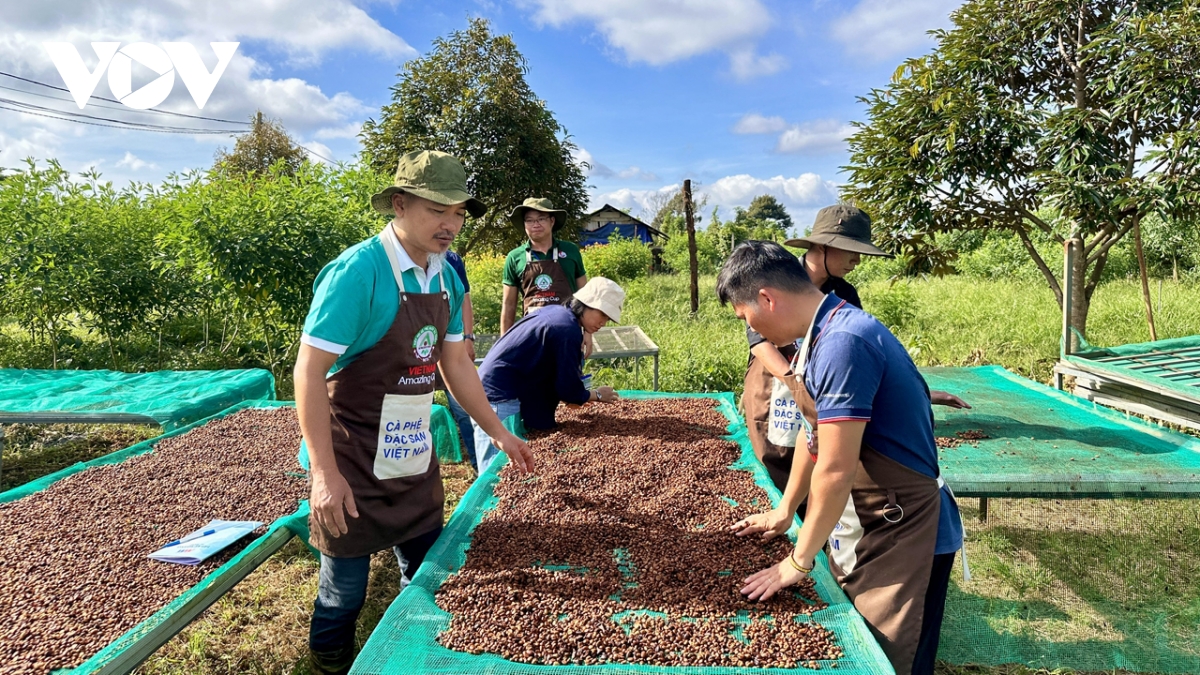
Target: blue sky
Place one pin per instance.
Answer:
(744, 97)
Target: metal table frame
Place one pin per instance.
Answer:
(68, 418)
(1128, 381)
(632, 343)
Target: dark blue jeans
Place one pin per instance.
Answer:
(465, 431)
(341, 592)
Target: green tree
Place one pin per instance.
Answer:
(1085, 108)
(767, 209)
(469, 97)
(257, 150)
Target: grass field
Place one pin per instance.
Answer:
(1097, 575)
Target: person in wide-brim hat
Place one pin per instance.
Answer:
(429, 174)
(386, 318)
(843, 227)
(517, 215)
(544, 270)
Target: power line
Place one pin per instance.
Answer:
(316, 154)
(110, 100)
(132, 125)
(163, 130)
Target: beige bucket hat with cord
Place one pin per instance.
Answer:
(431, 175)
(517, 215)
(841, 226)
(604, 295)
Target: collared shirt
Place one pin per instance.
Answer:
(355, 298)
(568, 256)
(540, 362)
(857, 370)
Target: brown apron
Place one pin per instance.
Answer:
(881, 550)
(380, 409)
(756, 404)
(544, 283)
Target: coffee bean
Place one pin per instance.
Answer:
(619, 552)
(76, 576)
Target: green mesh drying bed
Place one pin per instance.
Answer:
(1046, 443)
(145, 638)
(167, 398)
(125, 653)
(1170, 365)
(405, 641)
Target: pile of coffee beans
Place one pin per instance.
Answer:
(971, 436)
(618, 550)
(76, 576)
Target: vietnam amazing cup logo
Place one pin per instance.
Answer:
(424, 341)
(543, 282)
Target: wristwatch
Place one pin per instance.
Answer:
(469, 336)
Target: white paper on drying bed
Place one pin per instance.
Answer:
(195, 549)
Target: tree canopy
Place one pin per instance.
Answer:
(258, 149)
(1087, 109)
(469, 97)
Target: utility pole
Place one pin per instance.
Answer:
(691, 230)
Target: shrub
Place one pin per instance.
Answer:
(708, 254)
(620, 259)
(486, 273)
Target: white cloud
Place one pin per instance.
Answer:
(754, 123)
(804, 191)
(631, 201)
(659, 32)
(593, 168)
(318, 152)
(746, 65)
(801, 195)
(350, 130)
(135, 163)
(814, 138)
(878, 30)
(635, 173)
(305, 29)
(301, 31)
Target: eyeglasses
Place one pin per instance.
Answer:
(533, 220)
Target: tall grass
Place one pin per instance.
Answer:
(955, 321)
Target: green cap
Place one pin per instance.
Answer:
(431, 175)
(841, 226)
(517, 216)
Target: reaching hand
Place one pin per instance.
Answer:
(607, 394)
(947, 399)
(517, 450)
(330, 495)
(762, 585)
(587, 345)
(771, 524)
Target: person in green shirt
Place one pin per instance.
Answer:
(544, 270)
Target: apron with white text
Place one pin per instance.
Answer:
(380, 415)
(544, 283)
(881, 550)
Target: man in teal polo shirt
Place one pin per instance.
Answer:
(544, 270)
(386, 315)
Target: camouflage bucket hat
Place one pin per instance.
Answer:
(517, 216)
(841, 226)
(431, 175)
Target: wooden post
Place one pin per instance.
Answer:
(1141, 258)
(691, 230)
